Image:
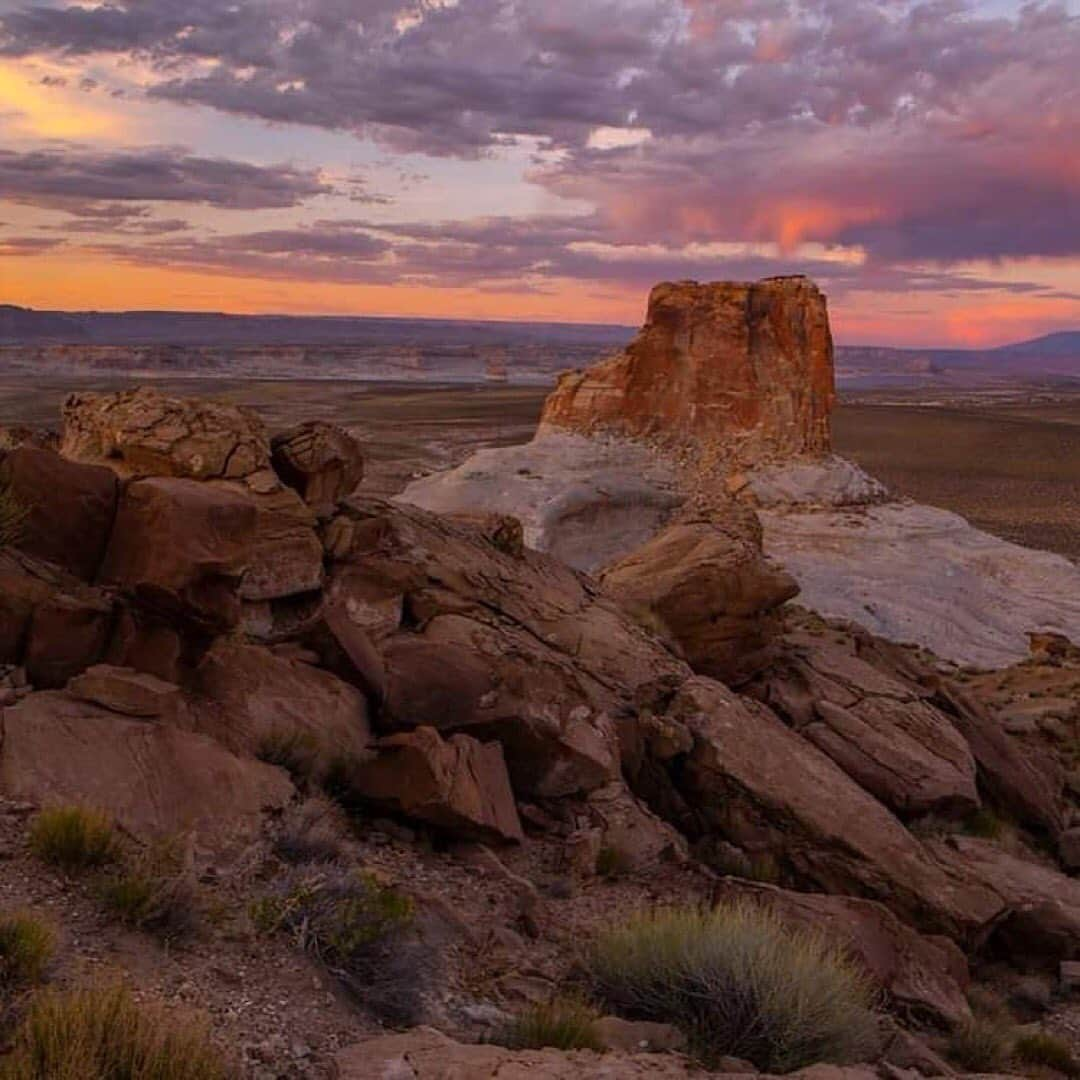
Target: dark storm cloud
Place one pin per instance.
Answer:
(918, 130)
(83, 176)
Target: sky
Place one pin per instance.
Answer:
(546, 159)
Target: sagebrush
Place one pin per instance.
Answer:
(982, 1044)
(103, 1034)
(360, 929)
(153, 890)
(739, 982)
(1042, 1048)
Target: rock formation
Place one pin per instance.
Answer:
(236, 654)
(745, 370)
(726, 392)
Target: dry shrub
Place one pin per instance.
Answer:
(26, 947)
(73, 838)
(360, 930)
(739, 982)
(563, 1024)
(312, 832)
(103, 1034)
(982, 1044)
(297, 752)
(154, 891)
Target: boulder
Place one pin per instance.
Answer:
(924, 978)
(322, 462)
(730, 366)
(145, 433)
(156, 780)
(753, 781)
(180, 548)
(69, 508)
(457, 784)
(126, 691)
(146, 643)
(271, 706)
(877, 726)
(706, 589)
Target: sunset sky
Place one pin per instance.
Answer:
(546, 158)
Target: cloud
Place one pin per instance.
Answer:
(80, 177)
(917, 131)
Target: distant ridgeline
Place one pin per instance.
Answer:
(285, 346)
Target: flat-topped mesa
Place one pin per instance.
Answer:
(744, 367)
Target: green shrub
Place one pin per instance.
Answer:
(26, 947)
(738, 982)
(73, 837)
(103, 1034)
(12, 517)
(563, 1024)
(154, 892)
(981, 1045)
(359, 929)
(1042, 1048)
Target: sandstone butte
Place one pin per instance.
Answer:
(730, 365)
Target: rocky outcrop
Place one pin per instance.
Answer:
(706, 589)
(498, 646)
(156, 780)
(321, 461)
(144, 433)
(457, 784)
(752, 780)
(879, 728)
(69, 508)
(740, 369)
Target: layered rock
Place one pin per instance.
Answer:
(744, 369)
(320, 461)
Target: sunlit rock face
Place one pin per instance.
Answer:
(738, 367)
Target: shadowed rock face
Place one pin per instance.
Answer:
(747, 367)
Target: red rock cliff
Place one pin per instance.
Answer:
(744, 365)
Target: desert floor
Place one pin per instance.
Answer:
(1008, 460)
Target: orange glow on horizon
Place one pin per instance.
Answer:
(86, 283)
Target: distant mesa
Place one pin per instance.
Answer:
(727, 365)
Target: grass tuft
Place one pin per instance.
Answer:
(1042, 1048)
(103, 1034)
(739, 982)
(613, 862)
(153, 891)
(26, 947)
(562, 1024)
(982, 1044)
(984, 823)
(297, 752)
(73, 838)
